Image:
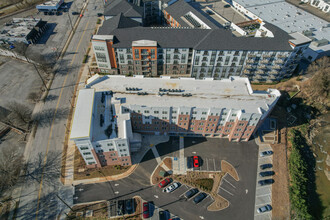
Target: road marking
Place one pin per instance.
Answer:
(214, 164)
(156, 196)
(229, 183)
(116, 184)
(226, 191)
(264, 195)
(52, 125)
(246, 191)
(116, 192)
(207, 164)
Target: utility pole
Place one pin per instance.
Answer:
(36, 70)
(70, 22)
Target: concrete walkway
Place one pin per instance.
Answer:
(179, 164)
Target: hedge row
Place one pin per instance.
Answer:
(298, 168)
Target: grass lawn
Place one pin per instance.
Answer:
(79, 163)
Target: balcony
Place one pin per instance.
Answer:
(260, 72)
(252, 55)
(250, 61)
(281, 56)
(265, 61)
(248, 67)
(145, 64)
(266, 56)
(274, 72)
(246, 71)
(279, 61)
(277, 67)
(262, 66)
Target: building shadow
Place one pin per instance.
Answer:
(46, 35)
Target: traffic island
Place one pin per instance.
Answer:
(208, 182)
(163, 170)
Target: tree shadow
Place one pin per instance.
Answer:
(46, 117)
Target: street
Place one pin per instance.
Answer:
(42, 195)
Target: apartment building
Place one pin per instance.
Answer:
(113, 111)
(194, 46)
(101, 137)
(226, 108)
(323, 5)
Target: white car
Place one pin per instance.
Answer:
(171, 188)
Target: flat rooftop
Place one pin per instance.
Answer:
(288, 17)
(233, 93)
(83, 114)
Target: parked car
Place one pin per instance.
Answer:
(129, 206)
(266, 153)
(226, 6)
(189, 162)
(196, 161)
(191, 193)
(209, 12)
(120, 207)
(200, 197)
(146, 212)
(99, 14)
(75, 13)
(171, 188)
(164, 215)
(164, 183)
(265, 208)
(266, 166)
(265, 182)
(266, 173)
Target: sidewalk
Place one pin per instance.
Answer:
(148, 141)
(179, 164)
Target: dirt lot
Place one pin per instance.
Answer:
(17, 80)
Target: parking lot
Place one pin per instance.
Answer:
(263, 193)
(179, 193)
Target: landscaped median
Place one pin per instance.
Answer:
(205, 181)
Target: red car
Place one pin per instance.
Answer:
(196, 161)
(165, 182)
(146, 210)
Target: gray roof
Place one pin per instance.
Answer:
(200, 39)
(180, 8)
(118, 21)
(128, 9)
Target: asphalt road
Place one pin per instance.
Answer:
(42, 188)
(242, 155)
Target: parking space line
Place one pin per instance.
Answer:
(207, 164)
(227, 191)
(229, 183)
(214, 164)
(264, 195)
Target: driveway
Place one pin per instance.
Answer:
(243, 156)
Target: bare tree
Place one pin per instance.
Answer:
(34, 97)
(11, 163)
(20, 113)
(320, 81)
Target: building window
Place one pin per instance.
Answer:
(86, 153)
(89, 158)
(99, 48)
(83, 148)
